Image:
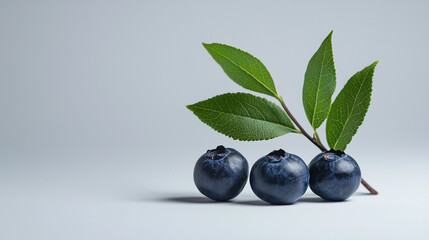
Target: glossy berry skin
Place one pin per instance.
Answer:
(334, 175)
(221, 174)
(279, 177)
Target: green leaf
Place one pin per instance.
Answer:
(319, 84)
(243, 68)
(243, 116)
(349, 109)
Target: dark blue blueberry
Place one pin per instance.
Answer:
(221, 173)
(279, 177)
(334, 175)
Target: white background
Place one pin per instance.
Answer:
(96, 142)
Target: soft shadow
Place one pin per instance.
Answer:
(253, 203)
(316, 200)
(364, 194)
(188, 200)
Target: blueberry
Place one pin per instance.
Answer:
(334, 175)
(279, 177)
(221, 173)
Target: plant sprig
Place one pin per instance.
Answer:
(246, 117)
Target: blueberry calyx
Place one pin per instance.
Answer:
(333, 154)
(277, 155)
(218, 153)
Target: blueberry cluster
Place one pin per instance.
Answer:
(278, 177)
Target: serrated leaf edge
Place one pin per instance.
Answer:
(191, 106)
(318, 83)
(366, 110)
(244, 70)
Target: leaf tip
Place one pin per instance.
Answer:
(330, 34)
(189, 107)
(376, 63)
(205, 45)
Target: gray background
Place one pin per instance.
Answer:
(96, 142)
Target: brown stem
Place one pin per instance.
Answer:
(319, 145)
(316, 136)
(370, 189)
